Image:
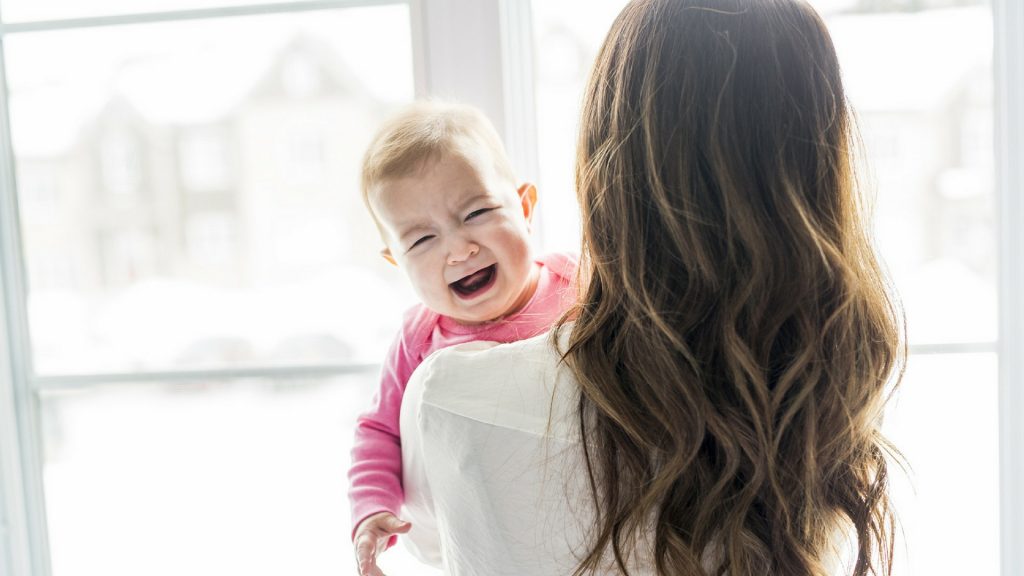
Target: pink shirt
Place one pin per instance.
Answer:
(375, 478)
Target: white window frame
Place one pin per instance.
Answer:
(1008, 22)
(23, 549)
(480, 52)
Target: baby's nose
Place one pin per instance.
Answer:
(461, 251)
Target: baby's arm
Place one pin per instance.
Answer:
(375, 476)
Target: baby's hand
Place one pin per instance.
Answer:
(372, 538)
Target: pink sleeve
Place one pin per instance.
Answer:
(563, 264)
(375, 476)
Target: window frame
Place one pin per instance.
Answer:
(1008, 66)
(481, 52)
(23, 546)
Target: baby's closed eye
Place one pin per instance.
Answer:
(420, 241)
(478, 212)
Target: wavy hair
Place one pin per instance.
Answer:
(735, 340)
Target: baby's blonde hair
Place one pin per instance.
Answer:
(425, 131)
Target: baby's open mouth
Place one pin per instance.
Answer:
(475, 283)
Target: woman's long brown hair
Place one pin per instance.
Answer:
(735, 341)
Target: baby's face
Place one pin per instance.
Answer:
(461, 233)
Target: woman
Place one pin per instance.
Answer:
(712, 404)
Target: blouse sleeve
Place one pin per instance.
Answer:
(423, 540)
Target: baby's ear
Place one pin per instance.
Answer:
(528, 200)
(386, 253)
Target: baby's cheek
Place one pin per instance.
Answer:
(516, 247)
(518, 231)
(522, 257)
(419, 279)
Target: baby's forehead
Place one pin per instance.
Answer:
(450, 185)
(453, 175)
(475, 163)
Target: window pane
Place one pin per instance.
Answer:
(568, 34)
(27, 10)
(925, 107)
(945, 419)
(249, 476)
(242, 477)
(196, 203)
(925, 111)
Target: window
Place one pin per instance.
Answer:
(925, 107)
(302, 156)
(204, 304)
(127, 255)
(936, 225)
(187, 209)
(203, 158)
(210, 238)
(120, 164)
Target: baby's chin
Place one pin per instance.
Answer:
(484, 316)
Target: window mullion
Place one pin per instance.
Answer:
(14, 528)
(953, 348)
(462, 53)
(184, 376)
(1008, 19)
(23, 479)
(519, 93)
(472, 51)
(192, 14)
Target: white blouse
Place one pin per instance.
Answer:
(493, 486)
(495, 482)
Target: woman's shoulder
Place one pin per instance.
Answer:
(503, 384)
(528, 357)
